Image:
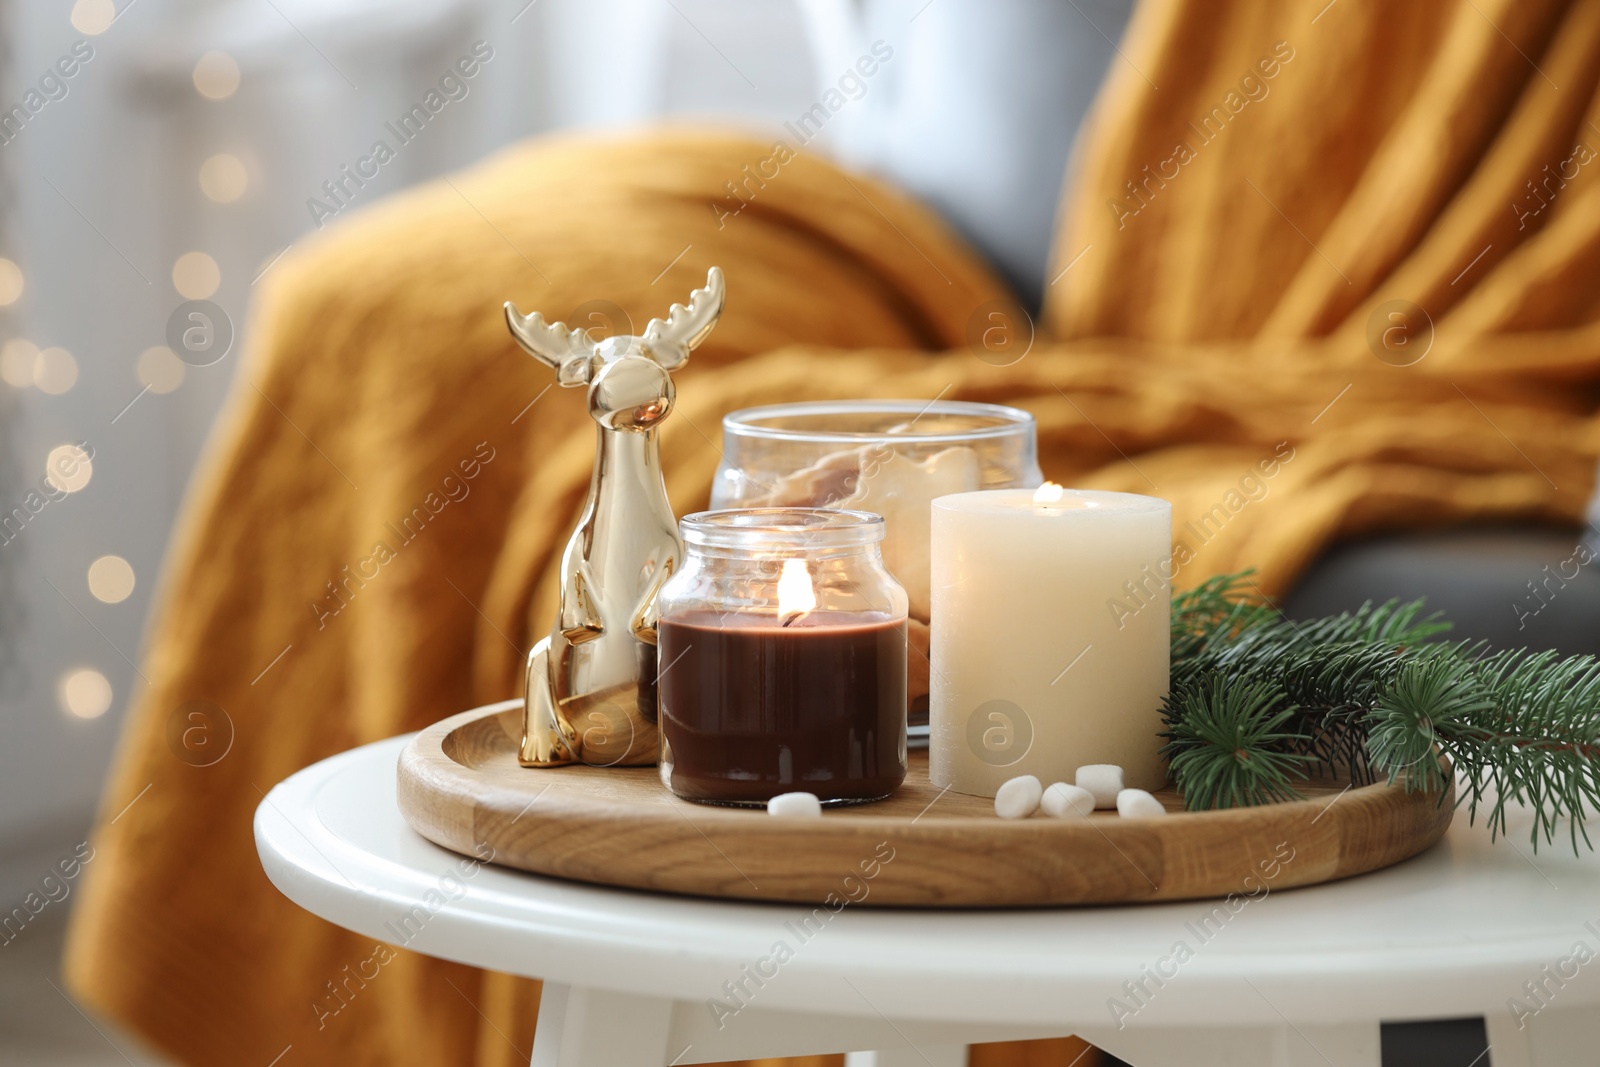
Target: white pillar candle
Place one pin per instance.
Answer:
(1050, 642)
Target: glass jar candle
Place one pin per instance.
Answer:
(782, 652)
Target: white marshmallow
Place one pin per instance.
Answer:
(1063, 801)
(1104, 780)
(1018, 798)
(1137, 804)
(805, 805)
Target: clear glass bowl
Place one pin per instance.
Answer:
(892, 457)
(782, 652)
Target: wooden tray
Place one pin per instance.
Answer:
(460, 786)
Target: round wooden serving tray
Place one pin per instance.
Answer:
(460, 786)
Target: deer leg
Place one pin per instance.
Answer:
(580, 620)
(647, 614)
(548, 739)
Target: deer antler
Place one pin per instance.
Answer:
(670, 341)
(553, 344)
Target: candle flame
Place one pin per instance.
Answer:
(1048, 493)
(796, 596)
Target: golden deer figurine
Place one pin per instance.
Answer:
(592, 683)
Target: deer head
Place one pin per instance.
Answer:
(630, 387)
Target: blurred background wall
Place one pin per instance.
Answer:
(176, 162)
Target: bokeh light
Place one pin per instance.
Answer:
(223, 178)
(196, 275)
(68, 468)
(93, 17)
(84, 693)
(10, 282)
(17, 358)
(159, 369)
(55, 371)
(111, 579)
(216, 75)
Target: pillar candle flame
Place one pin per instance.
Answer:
(1048, 493)
(795, 593)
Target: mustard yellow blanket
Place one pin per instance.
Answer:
(1263, 188)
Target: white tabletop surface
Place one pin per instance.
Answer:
(1456, 931)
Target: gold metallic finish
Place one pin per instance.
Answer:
(591, 684)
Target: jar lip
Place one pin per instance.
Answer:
(1008, 421)
(794, 528)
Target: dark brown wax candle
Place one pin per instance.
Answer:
(750, 708)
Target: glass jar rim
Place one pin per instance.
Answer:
(782, 528)
(1009, 421)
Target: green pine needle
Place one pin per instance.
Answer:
(1228, 748)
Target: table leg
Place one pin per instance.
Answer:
(593, 1028)
(926, 1056)
(1346, 1045)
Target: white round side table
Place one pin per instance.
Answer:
(1299, 978)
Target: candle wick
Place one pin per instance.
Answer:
(792, 616)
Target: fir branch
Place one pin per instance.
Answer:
(1258, 701)
(1517, 727)
(1328, 671)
